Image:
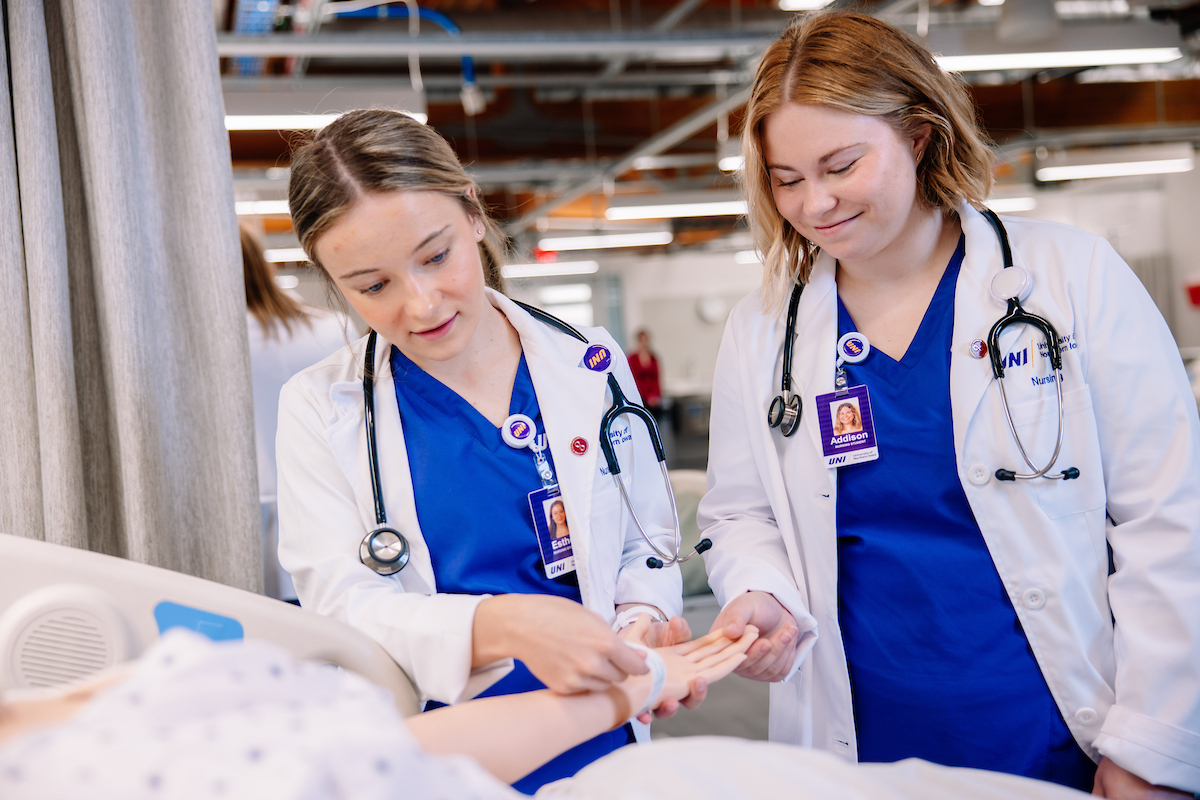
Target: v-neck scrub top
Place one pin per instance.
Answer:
(940, 667)
(472, 501)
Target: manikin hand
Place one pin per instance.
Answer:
(693, 663)
(770, 658)
(1116, 783)
(566, 646)
(664, 634)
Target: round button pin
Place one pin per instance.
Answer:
(579, 445)
(978, 348)
(598, 358)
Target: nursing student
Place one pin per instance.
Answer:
(914, 598)
(485, 416)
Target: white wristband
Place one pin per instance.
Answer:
(630, 616)
(658, 676)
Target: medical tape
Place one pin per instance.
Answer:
(658, 676)
(631, 615)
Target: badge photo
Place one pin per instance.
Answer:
(549, 513)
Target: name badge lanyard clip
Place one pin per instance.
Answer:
(844, 415)
(519, 432)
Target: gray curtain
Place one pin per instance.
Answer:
(125, 412)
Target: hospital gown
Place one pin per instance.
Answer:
(238, 721)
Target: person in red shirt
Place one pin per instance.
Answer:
(644, 365)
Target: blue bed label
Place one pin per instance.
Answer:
(216, 627)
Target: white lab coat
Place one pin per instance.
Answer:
(326, 505)
(1131, 428)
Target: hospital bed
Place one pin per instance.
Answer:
(67, 613)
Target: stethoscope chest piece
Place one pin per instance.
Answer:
(384, 550)
(785, 413)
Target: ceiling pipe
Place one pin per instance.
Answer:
(680, 131)
(690, 46)
(666, 23)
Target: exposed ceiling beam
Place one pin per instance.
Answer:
(666, 139)
(677, 46)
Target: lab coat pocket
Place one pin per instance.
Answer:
(1036, 422)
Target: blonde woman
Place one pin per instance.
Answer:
(920, 599)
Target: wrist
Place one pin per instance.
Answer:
(491, 634)
(630, 614)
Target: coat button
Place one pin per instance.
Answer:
(1086, 716)
(1033, 599)
(978, 474)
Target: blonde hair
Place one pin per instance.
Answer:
(375, 151)
(264, 299)
(855, 63)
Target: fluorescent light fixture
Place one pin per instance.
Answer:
(277, 122)
(287, 281)
(290, 122)
(547, 268)
(717, 208)
(260, 207)
(1115, 162)
(285, 255)
(605, 241)
(747, 257)
(1064, 59)
(1048, 174)
(1007, 205)
(802, 5)
(565, 293)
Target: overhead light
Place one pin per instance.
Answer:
(285, 255)
(723, 208)
(565, 293)
(548, 268)
(802, 5)
(1115, 162)
(747, 257)
(287, 281)
(1008, 205)
(605, 241)
(729, 155)
(291, 122)
(998, 62)
(260, 208)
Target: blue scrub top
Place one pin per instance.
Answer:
(940, 667)
(472, 498)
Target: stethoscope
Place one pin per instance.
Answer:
(1009, 286)
(386, 551)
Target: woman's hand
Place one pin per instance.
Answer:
(691, 664)
(566, 646)
(1117, 783)
(770, 657)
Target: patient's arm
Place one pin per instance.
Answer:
(515, 734)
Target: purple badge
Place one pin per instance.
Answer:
(598, 358)
(847, 428)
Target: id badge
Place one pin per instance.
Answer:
(847, 428)
(550, 521)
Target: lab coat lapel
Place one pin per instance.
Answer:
(975, 311)
(572, 400)
(348, 441)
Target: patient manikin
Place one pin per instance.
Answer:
(195, 719)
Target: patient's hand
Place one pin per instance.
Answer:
(691, 666)
(664, 634)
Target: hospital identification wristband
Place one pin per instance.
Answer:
(658, 676)
(630, 616)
